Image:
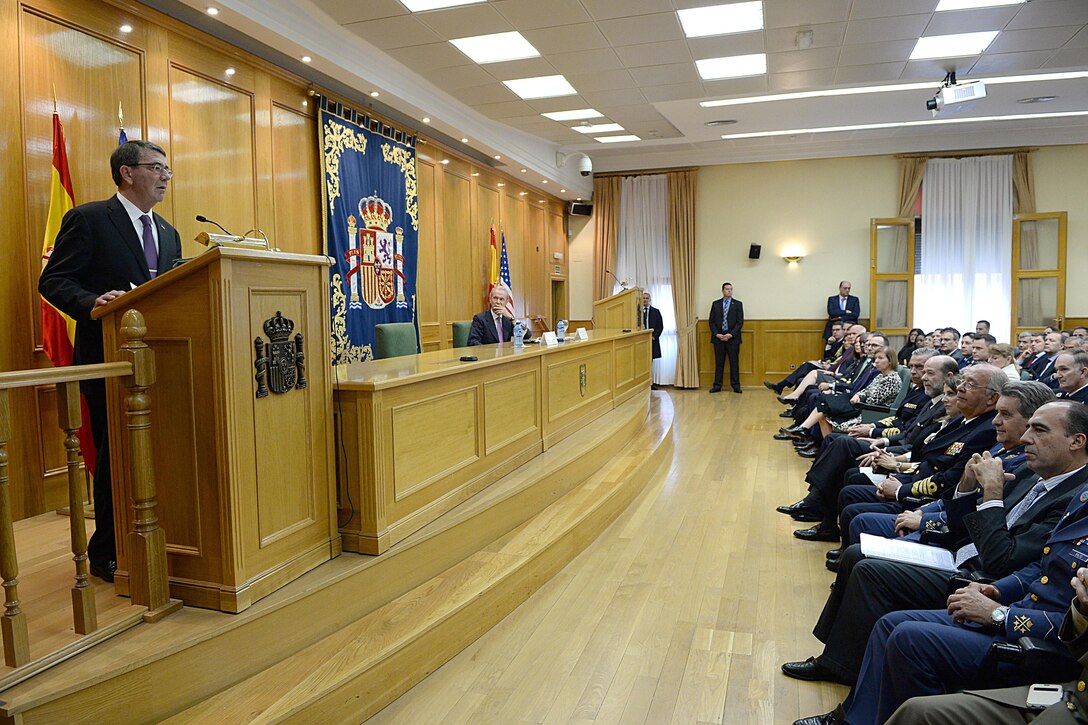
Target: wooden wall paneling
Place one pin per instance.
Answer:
(461, 282)
(487, 214)
(769, 349)
(430, 285)
(536, 271)
(296, 182)
(513, 223)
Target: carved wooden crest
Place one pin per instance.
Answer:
(582, 379)
(280, 363)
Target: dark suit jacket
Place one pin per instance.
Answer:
(97, 250)
(836, 314)
(658, 326)
(946, 454)
(732, 326)
(1079, 396)
(482, 331)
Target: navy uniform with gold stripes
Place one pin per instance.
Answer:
(923, 652)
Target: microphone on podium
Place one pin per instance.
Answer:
(206, 220)
(620, 282)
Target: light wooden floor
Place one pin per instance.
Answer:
(682, 611)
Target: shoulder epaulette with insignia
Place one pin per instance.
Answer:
(925, 487)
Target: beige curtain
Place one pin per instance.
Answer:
(1030, 299)
(892, 255)
(911, 171)
(682, 259)
(606, 212)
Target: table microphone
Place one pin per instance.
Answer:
(206, 220)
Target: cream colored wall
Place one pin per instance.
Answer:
(820, 208)
(580, 249)
(1061, 184)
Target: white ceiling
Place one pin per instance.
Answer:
(630, 60)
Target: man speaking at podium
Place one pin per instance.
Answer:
(103, 249)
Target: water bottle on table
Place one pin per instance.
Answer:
(519, 335)
(561, 330)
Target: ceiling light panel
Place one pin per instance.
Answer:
(419, 6)
(735, 66)
(598, 128)
(952, 46)
(971, 4)
(904, 124)
(576, 115)
(496, 47)
(540, 87)
(617, 139)
(721, 19)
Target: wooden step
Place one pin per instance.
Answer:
(154, 671)
(356, 671)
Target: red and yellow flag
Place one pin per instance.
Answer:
(58, 329)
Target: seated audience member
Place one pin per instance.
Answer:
(839, 454)
(1071, 343)
(1071, 372)
(853, 363)
(994, 528)
(1081, 332)
(1002, 356)
(982, 327)
(833, 345)
(843, 307)
(914, 342)
(1043, 367)
(1023, 348)
(942, 458)
(928, 652)
(1009, 706)
(494, 325)
(1035, 351)
(980, 346)
(950, 344)
(805, 374)
(838, 411)
(967, 350)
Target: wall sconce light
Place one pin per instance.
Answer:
(793, 259)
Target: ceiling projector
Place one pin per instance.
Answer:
(951, 93)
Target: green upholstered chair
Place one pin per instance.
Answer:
(460, 332)
(874, 413)
(393, 339)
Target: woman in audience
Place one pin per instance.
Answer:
(915, 338)
(1003, 355)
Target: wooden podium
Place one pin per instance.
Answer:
(621, 311)
(241, 430)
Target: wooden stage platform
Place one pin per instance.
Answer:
(344, 640)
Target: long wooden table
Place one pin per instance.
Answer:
(418, 435)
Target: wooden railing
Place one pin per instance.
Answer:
(146, 542)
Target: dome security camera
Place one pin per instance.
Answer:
(585, 166)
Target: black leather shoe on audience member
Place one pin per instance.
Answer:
(810, 670)
(783, 436)
(787, 413)
(835, 717)
(819, 532)
(834, 554)
(809, 452)
(772, 386)
(795, 430)
(793, 508)
(832, 565)
(104, 569)
(786, 401)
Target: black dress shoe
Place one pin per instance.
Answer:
(834, 554)
(810, 670)
(810, 452)
(716, 390)
(794, 430)
(820, 532)
(806, 516)
(737, 390)
(835, 717)
(793, 508)
(104, 569)
(772, 386)
(786, 401)
(780, 436)
(832, 565)
(787, 413)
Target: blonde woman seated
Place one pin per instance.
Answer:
(836, 412)
(1003, 355)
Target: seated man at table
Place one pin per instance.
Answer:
(494, 325)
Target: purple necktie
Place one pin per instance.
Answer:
(150, 253)
(498, 327)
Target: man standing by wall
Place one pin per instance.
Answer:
(651, 320)
(104, 249)
(843, 307)
(726, 320)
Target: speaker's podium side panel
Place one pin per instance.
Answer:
(277, 430)
(182, 436)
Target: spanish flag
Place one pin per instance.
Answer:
(58, 329)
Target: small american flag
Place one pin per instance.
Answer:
(504, 277)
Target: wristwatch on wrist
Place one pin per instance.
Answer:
(997, 617)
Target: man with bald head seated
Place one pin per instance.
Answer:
(928, 652)
(992, 526)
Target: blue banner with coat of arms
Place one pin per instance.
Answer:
(371, 225)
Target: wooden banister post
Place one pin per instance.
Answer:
(148, 581)
(84, 615)
(13, 623)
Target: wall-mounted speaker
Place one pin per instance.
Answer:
(577, 208)
(754, 250)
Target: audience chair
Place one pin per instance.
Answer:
(394, 339)
(460, 333)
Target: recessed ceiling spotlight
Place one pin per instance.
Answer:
(230, 71)
(426, 119)
(305, 59)
(721, 122)
(522, 193)
(475, 173)
(126, 28)
(305, 103)
(562, 191)
(212, 11)
(464, 140)
(1037, 99)
(374, 94)
(445, 162)
(497, 157)
(523, 171)
(501, 184)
